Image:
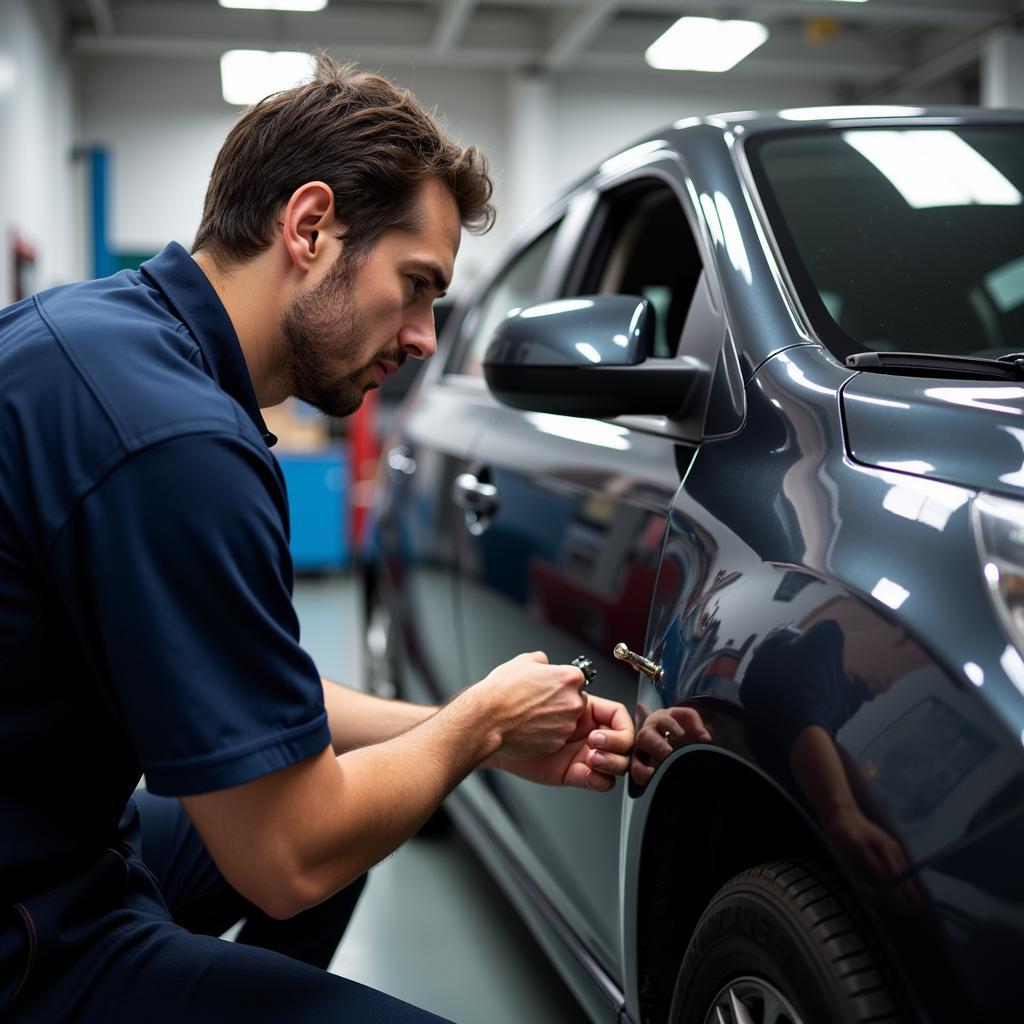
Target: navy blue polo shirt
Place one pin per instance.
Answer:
(146, 622)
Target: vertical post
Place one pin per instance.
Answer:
(102, 258)
(531, 139)
(1002, 69)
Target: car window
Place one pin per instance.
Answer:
(514, 289)
(646, 248)
(902, 239)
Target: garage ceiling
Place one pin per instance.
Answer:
(865, 49)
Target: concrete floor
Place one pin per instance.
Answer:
(431, 928)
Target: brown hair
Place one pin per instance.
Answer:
(370, 141)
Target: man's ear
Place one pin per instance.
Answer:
(309, 229)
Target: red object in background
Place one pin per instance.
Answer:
(365, 452)
(22, 266)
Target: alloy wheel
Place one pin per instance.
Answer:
(750, 1000)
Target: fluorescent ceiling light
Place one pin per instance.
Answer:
(705, 44)
(932, 168)
(246, 76)
(275, 5)
(847, 113)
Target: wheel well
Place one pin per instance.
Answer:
(740, 820)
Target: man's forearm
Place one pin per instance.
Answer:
(359, 719)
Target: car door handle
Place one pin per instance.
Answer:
(474, 495)
(400, 462)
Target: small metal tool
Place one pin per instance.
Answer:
(586, 666)
(638, 661)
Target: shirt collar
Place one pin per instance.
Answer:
(193, 298)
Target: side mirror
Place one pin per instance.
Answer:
(587, 356)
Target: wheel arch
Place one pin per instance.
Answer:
(744, 817)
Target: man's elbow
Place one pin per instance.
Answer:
(281, 896)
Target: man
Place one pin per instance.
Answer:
(146, 622)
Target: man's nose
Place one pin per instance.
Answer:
(418, 337)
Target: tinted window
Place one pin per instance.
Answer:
(515, 289)
(906, 239)
(646, 248)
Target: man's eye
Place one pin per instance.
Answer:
(419, 284)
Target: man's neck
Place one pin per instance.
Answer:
(252, 294)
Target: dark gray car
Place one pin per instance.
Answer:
(749, 401)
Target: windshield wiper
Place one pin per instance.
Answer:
(930, 364)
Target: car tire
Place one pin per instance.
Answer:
(783, 943)
(381, 674)
(382, 678)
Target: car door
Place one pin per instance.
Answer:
(565, 556)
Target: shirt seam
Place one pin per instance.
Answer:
(131, 453)
(79, 369)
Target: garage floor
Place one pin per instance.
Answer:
(431, 927)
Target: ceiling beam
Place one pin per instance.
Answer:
(451, 23)
(949, 13)
(177, 47)
(577, 32)
(781, 64)
(102, 16)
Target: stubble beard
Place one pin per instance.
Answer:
(318, 328)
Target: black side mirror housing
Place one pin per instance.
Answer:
(587, 356)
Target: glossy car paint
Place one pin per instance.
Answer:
(832, 499)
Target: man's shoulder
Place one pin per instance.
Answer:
(91, 375)
(119, 341)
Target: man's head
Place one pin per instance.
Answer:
(349, 193)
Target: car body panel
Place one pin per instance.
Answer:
(567, 565)
(938, 428)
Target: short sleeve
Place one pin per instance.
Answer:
(176, 573)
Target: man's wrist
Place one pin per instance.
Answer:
(477, 724)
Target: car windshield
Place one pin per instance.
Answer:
(902, 239)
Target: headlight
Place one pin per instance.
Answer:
(999, 531)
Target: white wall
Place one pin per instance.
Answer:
(164, 119)
(39, 184)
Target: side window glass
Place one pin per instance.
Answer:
(646, 248)
(514, 289)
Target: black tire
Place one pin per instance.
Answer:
(380, 657)
(787, 942)
(382, 678)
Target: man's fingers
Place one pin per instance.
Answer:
(609, 764)
(610, 713)
(611, 741)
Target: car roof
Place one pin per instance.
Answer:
(834, 116)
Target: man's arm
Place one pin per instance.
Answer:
(357, 719)
(819, 772)
(597, 751)
(290, 839)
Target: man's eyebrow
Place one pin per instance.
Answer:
(436, 275)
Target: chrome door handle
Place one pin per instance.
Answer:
(474, 495)
(400, 462)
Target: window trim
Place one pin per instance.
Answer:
(574, 213)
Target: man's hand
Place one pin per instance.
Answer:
(534, 706)
(596, 751)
